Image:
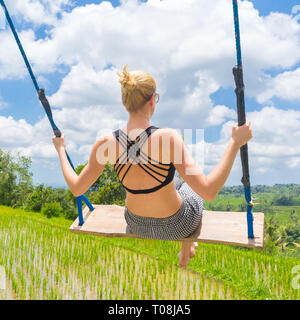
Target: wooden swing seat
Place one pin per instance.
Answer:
(216, 227)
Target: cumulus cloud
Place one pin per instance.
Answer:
(171, 39)
(11, 62)
(284, 86)
(188, 46)
(219, 114)
(273, 148)
(207, 44)
(13, 132)
(80, 127)
(85, 86)
(38, 12)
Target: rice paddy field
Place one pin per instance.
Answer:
(43, 260)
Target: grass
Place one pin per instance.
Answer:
(43, 260)
(282, 213)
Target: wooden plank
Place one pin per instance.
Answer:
(216, 227)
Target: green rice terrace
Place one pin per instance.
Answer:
(44, 260)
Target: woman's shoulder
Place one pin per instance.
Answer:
(103, 139)
(103, 143)
(173, 134)
(160, 131)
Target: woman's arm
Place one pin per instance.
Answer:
(209, 186)
(80, 184)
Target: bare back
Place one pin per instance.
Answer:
(161, 203)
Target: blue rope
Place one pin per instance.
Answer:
(237, 32)
(247, 188)
(249, 212)
(49, 114)
(12, 27)
(19, 44)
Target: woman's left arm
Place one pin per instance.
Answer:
(80, 184)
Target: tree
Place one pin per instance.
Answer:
(272, 235)
(107, 189)
(291, 235)
(282, 200)
(272, 229)
(39, 196)
(52, 209)
(15, 179)
(67, 202)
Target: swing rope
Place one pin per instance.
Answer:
(240, 95)
(47, 108)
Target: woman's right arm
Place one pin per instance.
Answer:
(209, 186)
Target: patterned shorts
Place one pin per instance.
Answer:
(176, 227)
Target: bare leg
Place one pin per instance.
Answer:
(187, 252)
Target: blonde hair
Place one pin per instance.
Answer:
(137, 88)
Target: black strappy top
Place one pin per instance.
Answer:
(133, 153)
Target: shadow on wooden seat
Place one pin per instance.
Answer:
(216, 227)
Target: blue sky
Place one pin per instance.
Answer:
(266, 6)
(70, 57)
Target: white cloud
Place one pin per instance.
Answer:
(37, 12)
(11, 62)
(219, 114)
(284, 86)
(273, 149)
(81, 129)
(189, 48)
(171, 39)
(13, 132)
(85, 86)
(277, 128)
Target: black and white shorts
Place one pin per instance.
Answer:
(176, 227)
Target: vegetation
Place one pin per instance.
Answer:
(43, 260)
(15, 179)
(280, 203)
(107, 189)
(17, 189)
(281, 206)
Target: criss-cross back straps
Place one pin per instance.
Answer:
(134, 154)
(132, 150)
(132, 147)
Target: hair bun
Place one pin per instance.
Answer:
(126, 80)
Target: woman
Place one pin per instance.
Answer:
(145, 158)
